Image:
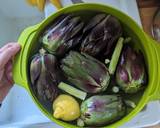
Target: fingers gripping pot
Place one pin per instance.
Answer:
(150, 49)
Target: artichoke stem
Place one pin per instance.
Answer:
(115, 89)
(130, 103)
(72, 91)
(80, 122)
(107, 61)
(42, 51)
(115, 56)
(127, 40)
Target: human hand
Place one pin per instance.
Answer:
(7, 52)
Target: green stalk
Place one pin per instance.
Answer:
(127, 40)
(72, 91)
(80, 122)
(130, 103)
(115, 89)
(115, 56)
(107, 61)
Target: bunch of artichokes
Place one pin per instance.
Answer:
(87, 73)
(75, 45)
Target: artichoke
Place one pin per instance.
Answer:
(130, 73)
(45, 76)
(100, 110)
(85, 72)
(101, 34)
(63, 35)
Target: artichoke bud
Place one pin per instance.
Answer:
(63, 36)
(85, 72)
(45, 76)
(100, 110)
(101, 33)
(131, 75)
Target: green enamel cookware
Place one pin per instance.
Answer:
(151, 51)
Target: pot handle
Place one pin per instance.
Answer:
(19, 63)
(155, 95)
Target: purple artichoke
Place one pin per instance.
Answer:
(63, 35)
(85, 72)
(45, 76)
(100, 110)
(131, 74)
(101, 33)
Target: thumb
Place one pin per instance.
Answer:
(8, 53)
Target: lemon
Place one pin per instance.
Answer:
(66, 108)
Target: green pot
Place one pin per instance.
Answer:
(151, 50)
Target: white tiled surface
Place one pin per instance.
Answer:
(19, 111)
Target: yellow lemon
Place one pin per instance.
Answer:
(66, 108)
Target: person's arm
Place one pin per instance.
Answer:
(6, 54)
